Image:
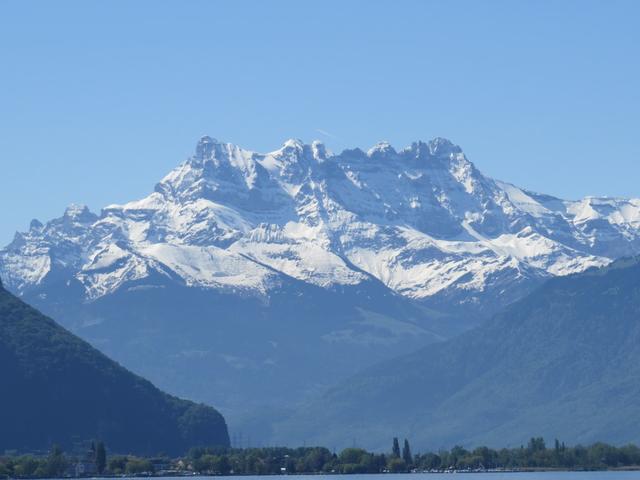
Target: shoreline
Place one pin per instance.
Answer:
(635, 468)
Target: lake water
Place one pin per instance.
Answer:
(431, 476)
(451, 476)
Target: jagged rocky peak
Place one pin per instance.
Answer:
(319, 150)
(293, 144)
(292, 151)
(35, 224)
(79, 214)
(295, 150)
(381, 150)
(442, 146)
(437, 152)
(407, 203)
(295, 156)
(205, 147)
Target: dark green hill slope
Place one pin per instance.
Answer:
(563, 362)
(57, 388)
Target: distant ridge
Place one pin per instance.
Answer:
(564, 362)
(58, 389)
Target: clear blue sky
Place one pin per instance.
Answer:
(99, 99)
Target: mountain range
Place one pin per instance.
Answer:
(255, 281)
(57, 389)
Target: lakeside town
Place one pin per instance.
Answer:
(95, 461)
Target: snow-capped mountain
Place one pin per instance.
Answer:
(251, 280)
(423, 220)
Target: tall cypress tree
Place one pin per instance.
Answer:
(101, 457)
(395, 451)
(406, 453)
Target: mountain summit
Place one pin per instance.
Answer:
(423, 221)
(267, 263)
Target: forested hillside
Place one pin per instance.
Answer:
(564, 362)
(56, 388)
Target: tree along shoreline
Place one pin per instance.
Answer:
(214, 461)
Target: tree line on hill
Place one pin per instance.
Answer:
(282, 460)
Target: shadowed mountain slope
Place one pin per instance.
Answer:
(56, 388)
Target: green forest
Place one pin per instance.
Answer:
(536, 455)
(55, 383)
